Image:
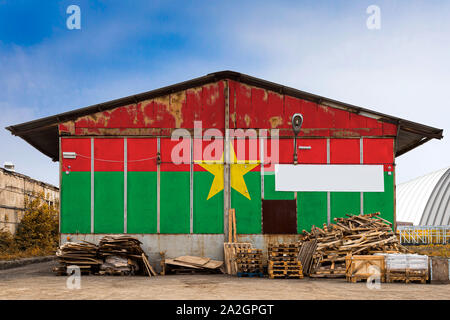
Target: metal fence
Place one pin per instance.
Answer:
(424, 234)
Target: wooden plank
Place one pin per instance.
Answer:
(148, 265)
(193, 260)
(181, 264)
(234, 226)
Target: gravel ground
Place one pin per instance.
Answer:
(37, 281)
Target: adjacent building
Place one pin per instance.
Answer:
(14, 189)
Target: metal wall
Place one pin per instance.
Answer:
(187, 201)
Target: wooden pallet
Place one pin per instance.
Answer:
(230, 249)
(407, 276)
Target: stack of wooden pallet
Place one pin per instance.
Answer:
(356, 235)
(249, 262)
(283, 261)
(83, 255)
(230, 252)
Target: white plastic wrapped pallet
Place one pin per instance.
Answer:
(399, 261)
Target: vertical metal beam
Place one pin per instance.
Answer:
(158, 187)
(361, 161)
(328, 192)
(60, 187)
(261, 160)
(226, 167)
(92, 184)
(191, 189)
(125, 177)
(395, 187)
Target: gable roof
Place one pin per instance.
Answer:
(43, 133)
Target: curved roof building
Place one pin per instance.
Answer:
(425, 201)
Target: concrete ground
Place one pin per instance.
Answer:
(37, 281)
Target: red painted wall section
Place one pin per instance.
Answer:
(82, 147)
(345, 151)
(139, 149)
(180, 159)
(317, 154)
(378, 151)
(108, 154)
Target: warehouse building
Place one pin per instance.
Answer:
(168, 164)
(14, 189)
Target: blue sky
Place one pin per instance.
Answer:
(323, 47)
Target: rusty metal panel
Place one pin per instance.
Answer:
(249, 107)
(279, 216)
(212, 109)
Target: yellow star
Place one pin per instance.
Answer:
(238, 168)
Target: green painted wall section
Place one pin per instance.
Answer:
(76, 202)
(269, 189)
(175, 202)
(141, 202)
(343, 203)
(311, 210)
(382, 202)
(248, 211)
(108, 202)
(208, 214)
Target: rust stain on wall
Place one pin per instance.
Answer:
(247, 120)
(147, 112)
(175, 107)
(214, 89)
(276, 121)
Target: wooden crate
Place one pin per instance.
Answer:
(358, 268)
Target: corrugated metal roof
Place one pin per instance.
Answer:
(425, 200)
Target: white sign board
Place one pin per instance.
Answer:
(329, 177)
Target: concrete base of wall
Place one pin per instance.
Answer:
(175, 245)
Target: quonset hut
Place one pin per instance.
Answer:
(168, 164)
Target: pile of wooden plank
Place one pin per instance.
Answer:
(83, 255)
(355, 235)
(283, 261)
(123, 256)
(122, 246)
(192, 265)
(249, 262)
